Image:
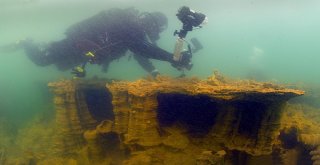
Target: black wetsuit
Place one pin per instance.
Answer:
(109, 35)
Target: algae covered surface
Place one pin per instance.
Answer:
(167, 121)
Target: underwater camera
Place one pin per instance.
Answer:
(190, 19)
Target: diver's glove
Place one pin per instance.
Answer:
(78, 72)
(184, 62)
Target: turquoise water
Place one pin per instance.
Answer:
(280, 39)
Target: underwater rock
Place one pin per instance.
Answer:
(105, 127)
(94, 139)
(139, 159)
(176, 138)
(310, 139)
(68, 125)
(298, 133)
(315, 156)
(207, 158)
(305, 121)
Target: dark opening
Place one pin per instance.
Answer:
(289, 138)
(239, 157)
(196, 113)
(99, 101)
(249, 115)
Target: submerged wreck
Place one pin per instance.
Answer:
(170, 121)
(188, 121)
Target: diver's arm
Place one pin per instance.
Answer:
(149, 50)
(146, 64)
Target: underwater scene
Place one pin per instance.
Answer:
(159, 82)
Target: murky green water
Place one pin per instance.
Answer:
(278, 40)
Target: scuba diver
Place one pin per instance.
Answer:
(105, 37)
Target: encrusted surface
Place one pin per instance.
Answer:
(306, 121)
(213, 87)
(168, 121)
(232, 102)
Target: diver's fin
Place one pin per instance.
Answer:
(196, 45)
(15, 46)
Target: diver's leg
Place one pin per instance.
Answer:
(105, 66)
(36, 54)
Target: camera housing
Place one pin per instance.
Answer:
(189, 19)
